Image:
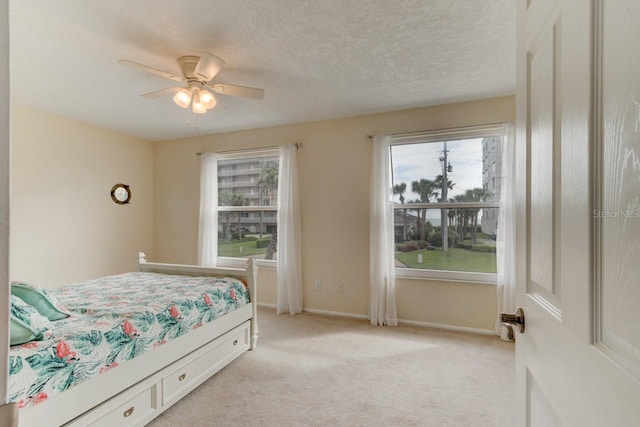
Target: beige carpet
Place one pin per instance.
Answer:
(311, 370)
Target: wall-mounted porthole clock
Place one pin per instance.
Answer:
(121, 194)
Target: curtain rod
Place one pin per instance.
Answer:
(457, 129)
(297, 144)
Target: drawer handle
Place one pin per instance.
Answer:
(182, 377)
(235, 342)
(129, 412)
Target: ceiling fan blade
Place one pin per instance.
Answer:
(152, 70)
(235, 90)
(208, 66)
(162, 92)
(219, 105)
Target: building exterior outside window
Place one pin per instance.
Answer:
(492, 147)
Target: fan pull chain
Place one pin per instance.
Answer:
(192, 124)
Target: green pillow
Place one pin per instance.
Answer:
(27, 324)
(39, 299)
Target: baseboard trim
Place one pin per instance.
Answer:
(400, 321)
(336, 313)
(267, 305)
(447, 327)
(325, 312)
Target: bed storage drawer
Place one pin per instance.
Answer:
(134, 407)
(208, 360)
(132, 411)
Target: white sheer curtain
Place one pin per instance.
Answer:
(208, 225)
(289, 235)
(506, 234)
(382, 279)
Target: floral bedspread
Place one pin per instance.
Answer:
(115, 319)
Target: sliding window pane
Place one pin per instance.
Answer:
(470, 235)
(247, 234)
(251, 181)
(467, 170)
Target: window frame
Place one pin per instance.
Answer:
(442, 135)
(238, 262)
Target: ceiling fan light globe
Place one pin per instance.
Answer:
(198, 108)
(207, 99)
(182, 98)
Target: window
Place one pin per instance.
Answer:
(446, 203)
(247, 205)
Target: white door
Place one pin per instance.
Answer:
(578, 213)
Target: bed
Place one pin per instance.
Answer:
(134, 345)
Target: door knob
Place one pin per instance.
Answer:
(513, 320)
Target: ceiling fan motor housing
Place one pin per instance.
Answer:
(187, 65)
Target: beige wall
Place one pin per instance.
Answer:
(334, 165)
(65, 227)
(5, 111)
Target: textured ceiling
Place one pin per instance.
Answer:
(314, 59)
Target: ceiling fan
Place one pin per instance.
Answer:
(197, 73)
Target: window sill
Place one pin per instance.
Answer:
(446, 276)
(242, 263)
(267, 264)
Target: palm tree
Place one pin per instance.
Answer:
(426, 189)
(267, 184)
(227, 198)
(476, 195)
(451, 213)
(438, 181)
(462, 216)
(444, 227)
(401, 189)
(272, 247)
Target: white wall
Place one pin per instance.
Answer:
(65, 226)
(334, 165)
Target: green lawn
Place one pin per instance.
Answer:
(239, 249)
(455, 259)
(482, 235)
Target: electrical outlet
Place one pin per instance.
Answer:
(341, 288)
(318, 285)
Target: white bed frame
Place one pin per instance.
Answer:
(142, 388)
